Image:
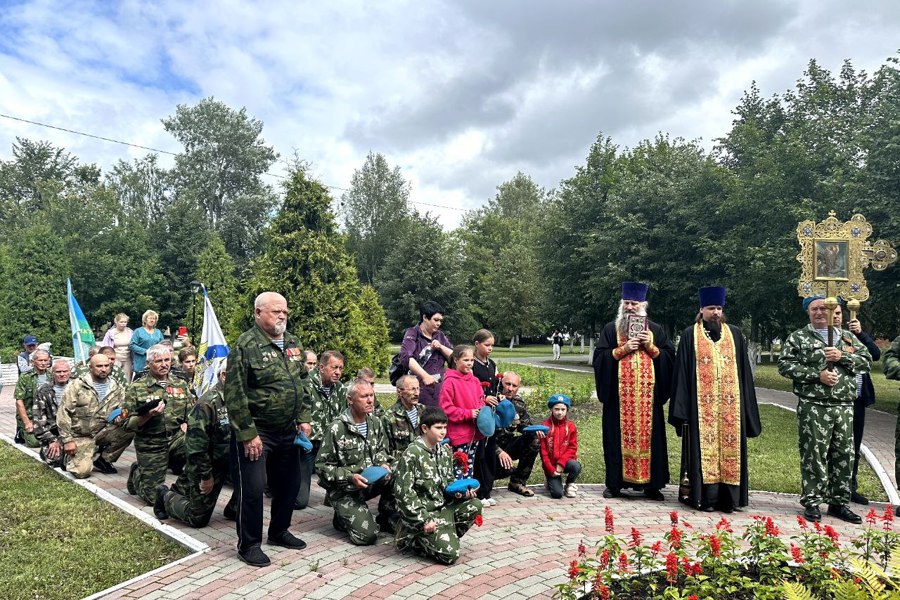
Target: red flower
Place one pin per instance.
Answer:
(656, 548)
(771, 528)
(478, 520)
(462, 461)
(635, 538)
(673, 517)
(671, 567)
(675, 538)
(604, 593)
(693, 597)
(697, 569)
(574, 569)
(797, 554)
(871, 517)
(623, 562)
(686, 524)
(610, 526)
(499, 375)
(802, 522)
(830, 532)
(485, 384)
(888, 518)
(581, 549)
(724, 525)
(817, 526)
(715, 546)
(604, 558)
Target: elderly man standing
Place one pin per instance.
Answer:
(83, 421)
(325, 397)
(355, 441)
(713, 396)
(402, 420)
(825, 380)
(26, 387)
(157, 407)
(633, 372)
(43, 414)
(263, 395)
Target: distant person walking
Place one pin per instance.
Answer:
(556, 339)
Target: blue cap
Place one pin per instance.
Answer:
(712, 296)
(505, 414)
(486, 422)
(29, 340)
(559, 399)
(635, 291)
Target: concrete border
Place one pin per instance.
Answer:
(196, 546)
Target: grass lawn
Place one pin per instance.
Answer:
(58, 541)
(774, 457)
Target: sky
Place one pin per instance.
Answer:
(461, 95)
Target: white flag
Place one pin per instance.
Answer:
(212, 351)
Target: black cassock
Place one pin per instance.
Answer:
(606, 376)
(683, 410)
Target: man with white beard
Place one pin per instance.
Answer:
(633, 370)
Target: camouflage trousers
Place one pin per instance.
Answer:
(185, 502)
(110, 442)
(153, 457)
(826, 453)
(453, 521)
(25, 437)
(352, 514)
(59, 461)
(897, 448)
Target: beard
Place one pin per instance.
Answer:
(622, 317)
(714, 325)
(279, 328)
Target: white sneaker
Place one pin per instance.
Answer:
(570, 491)
(489, 502)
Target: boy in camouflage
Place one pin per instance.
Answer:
(432, 523)
(355, 441)
(825, 382)
(193, 497)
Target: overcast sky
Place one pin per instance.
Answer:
(460, 95)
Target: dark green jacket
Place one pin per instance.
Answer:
(400, 430)
(890, 360)
(345, 452)
(173, 391)
(26, 387)
(208, 435)
(322, 410)
(264, 385)
(803, 358)
(419, 483)
(116, 373)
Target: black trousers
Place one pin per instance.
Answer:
(859, 423)
(488, 468)
(280, 463)
(307, 470)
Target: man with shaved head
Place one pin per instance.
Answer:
(263, 394)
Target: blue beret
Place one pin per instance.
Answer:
(461, 486)
(559, 399)
(810, 299)
(373, 474)
(301, 440)
(486, 422)
(505, 414)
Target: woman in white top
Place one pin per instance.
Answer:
(118, 337)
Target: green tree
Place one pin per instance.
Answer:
(374, 329)
(306, 260)
(215, 270)
(375, 208)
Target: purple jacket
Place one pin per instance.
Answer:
(413, 345)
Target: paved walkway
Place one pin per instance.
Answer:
(522, 550)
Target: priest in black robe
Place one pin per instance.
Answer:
(712, 365)
(633, 363)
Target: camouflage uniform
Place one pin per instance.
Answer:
(26, 387)
(160, 442)
(890, 364)
(323, 409)
(206, 449)
(82, 418)
(115, 373)
(43, 416)
(421, 477)
(400, 430)
(345, 452)
(521, 446)
(824, 413)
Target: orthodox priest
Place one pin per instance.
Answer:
(633, 369)
(714, 408)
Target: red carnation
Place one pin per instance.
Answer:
(610, 526)
(485, 384)
(462, 461)
(478, 520)
(499, 375)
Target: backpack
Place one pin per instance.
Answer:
(396, 370)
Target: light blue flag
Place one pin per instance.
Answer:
(82, 336)
(213, 349)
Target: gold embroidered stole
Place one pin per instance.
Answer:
(636, 382)
(718, 407)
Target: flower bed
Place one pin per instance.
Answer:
(757, 563)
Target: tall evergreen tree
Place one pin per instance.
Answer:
(215, 270)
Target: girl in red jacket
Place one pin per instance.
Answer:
(559, 448)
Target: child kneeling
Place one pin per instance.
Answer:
(559, 448)
(431, 522)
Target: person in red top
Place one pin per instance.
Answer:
(462, 398)
(559, 448)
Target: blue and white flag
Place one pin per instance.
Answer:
(82, 336)
(212, 351)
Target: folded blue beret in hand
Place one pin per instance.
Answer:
(461, 486)
(374, 473)
(303, 441)
(486, 422)
(536, 428)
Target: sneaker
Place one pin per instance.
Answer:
(254, 557)
(570, 490)
(485, 502)
(287, 540)
(130, 483)
(159, 507)
(102, 465)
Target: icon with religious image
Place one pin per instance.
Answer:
(635, 325)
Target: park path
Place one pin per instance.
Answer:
(522, 551)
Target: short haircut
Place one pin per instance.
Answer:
(356, 384)
(187, 351)
(62, 361)
(94, 350)
(34, 354)
(148, 313)
(365, 372)
(482, 335)
(108, 350)
(328, 355)
(306, 354)
(404, 379)
(429, 308)
(431, 416)
(157, 351)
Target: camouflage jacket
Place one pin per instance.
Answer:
(419, 482)
(803, 358)
(345, 452)
(43, 414)
(208, 436)
(322, 410)
(890, 360)
(504, 437)
(264, 385)
(26, 387)
(400, 430)
(174, 392)
(115, 373)
(81, 414)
